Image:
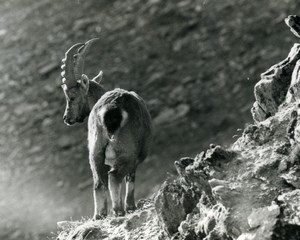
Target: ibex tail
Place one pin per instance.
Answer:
(113, 118)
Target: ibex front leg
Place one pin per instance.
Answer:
(100, 172)
(100, 176)
(129, 197)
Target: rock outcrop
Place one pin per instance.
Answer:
(250, 191)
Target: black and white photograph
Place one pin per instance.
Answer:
(150, 120)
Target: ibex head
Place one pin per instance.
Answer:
(75, 84)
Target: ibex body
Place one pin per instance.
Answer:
(119, 132)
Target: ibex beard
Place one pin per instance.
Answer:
(119, 131)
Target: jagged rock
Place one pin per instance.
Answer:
(284, 149)
(267, 223)
(271, 90)
(211, 220)
(226, 194)
(258, 113)
(217, 154)
(293, 93)
(297, 135)
(263, 221)
(186, 231)
(172, 204)
(182, 164)
(293, 177)
(290, 205)
(260, 134)
(261, 216)
(292, 125)
(194, 175)
(293, 21)
(283, 165)
(209, 163)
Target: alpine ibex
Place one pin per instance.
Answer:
(119, 131)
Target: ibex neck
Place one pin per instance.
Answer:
(95, 93)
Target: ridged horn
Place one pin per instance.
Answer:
(68, 65)
(74, 62)
(80, 58)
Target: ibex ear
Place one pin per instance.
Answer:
(85, 83)
(98, 77)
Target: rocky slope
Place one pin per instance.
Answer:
(189, 64)
(249, 191)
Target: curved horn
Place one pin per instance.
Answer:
(80, 58)
(68, 65)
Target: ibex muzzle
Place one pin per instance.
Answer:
(119, 131)
(75, 106)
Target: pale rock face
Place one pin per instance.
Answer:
(293, 93)
(297, 134)
(271, 90)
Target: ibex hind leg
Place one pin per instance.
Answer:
(115, 187)
(129, 197)
(100, 176)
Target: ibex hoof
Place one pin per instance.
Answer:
(99, 217)
(130, 209)
(118, 213)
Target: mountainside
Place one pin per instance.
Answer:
(195, 62)
(249, 191)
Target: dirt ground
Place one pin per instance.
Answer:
(195, 62)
